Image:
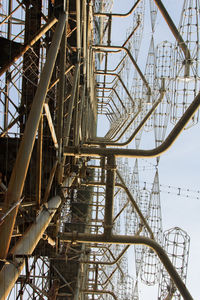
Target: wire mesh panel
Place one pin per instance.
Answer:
(164, 60)
(153, 13)
(150, 267)
(186, 69)
(135, 42)
(144, 199)
(176, 243)
(149, 73)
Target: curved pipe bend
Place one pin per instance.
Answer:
(133, 240)
(120, 152)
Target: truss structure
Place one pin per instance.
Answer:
(72, 202)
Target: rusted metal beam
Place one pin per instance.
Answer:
(51, 126)
(109, 195)
(39, 163)
(50, 181)
(61, 93)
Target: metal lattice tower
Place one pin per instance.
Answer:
(77, 221)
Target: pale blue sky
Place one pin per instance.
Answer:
(180, 165)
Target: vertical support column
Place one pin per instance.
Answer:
(106, 54)
(83, 96)
(77, 114)
(102, 164)
(109, 197)
(39, 163)
(77, 100)
(81, 112)
(71, 105)
(78, 25)
(67, 125)
(61, 96)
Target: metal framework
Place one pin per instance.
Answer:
(72, 204)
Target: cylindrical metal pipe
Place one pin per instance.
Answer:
(111, 49)
(119, 15)
(120, 152)
(140, 126)
(26, 246)
(71, 106)
(61, 92)
(130, 240)
(109, 198)
(78, 25)
(121, 81)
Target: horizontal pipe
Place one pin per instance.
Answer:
(118, 76)
(111, 49)
(132, 240)
(120, 152)
(140, 126)
(118, 15)
(113, 133)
